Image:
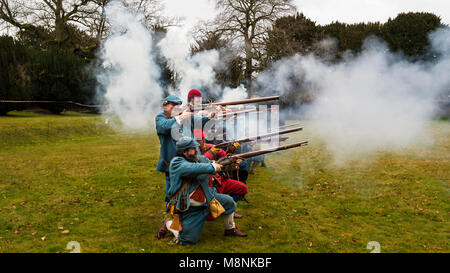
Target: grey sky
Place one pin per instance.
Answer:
(325, 11)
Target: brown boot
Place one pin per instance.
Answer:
(237, 216)
(162, 230)
(234, 232)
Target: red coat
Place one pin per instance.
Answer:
(225, 184)
(214, 156)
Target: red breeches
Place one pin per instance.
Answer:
(230, 186)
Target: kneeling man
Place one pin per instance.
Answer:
(191, 195)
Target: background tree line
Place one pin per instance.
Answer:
(50, 52)
(296, 34)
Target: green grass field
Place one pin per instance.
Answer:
(71, 178)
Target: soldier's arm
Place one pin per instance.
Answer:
(186, 168)
(164, 125)
(202, 119)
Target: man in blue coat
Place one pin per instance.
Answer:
(170, 128)
(191, 195)
(164, 124)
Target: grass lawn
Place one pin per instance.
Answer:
(72, 178)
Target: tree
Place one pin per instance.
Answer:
(14, 79)
(230, 73)
(152, 10)
(63, 18)
(408, 32)
(350, 36)
(290, 35)
(245, 23)
(52, 14)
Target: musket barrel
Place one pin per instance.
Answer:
(240, 112)
(247, 139)
(285, 126)
(271, 150)
(231, 159)
(237, 102)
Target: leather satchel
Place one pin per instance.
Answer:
(215, 208)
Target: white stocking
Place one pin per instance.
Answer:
(228, 221)
(175, 232)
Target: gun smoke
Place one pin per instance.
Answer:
(376, 99)
(131, 76)
(370, 101)
(196, 70)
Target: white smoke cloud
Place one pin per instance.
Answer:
(196, 71)
(131, 79)
(238, 93)
(374, 100)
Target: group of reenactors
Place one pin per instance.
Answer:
(197, 187)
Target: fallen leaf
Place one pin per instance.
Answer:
(60, 227)
(16, 231)
(43, 238)
(65, 231)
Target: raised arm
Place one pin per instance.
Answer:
(186, 168)
(164, 125)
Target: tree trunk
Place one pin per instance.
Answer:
(248, 67)
(59, 22)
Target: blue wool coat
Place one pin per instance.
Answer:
(180, 170)
(168, 144)
(192, 220)
(168, 149)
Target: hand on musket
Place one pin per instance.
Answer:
(185, 114)
(179, 111)
(235, 165)
(213, 112)
(217, 166)
(203, 113)
(231, 162)
(232, 148)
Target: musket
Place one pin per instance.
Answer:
(234, 114)
(237, 102)
(280, 139)
(247, 139)
(193, 108)
(230, 159)
(285, 126)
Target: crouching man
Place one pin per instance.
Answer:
(192, 200)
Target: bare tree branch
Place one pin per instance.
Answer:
(245, 23)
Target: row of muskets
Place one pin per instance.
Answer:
(274, 132)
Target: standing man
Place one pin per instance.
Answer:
(164, 123)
